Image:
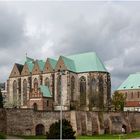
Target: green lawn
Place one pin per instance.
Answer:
(2, 136)
(104, 136)
(33, 137)
(109, 136)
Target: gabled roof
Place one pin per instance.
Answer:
(69, 63)
(85, 62)
(45, 91)
(28, 59)
(41, 64)
(19, 67)
(30, 63)
(132, 82)
(53, 62)
(30, 66)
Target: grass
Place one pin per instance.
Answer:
(104, 136)
(33, 137)
(2, 136)
(111, 136)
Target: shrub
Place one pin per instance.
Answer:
(67, 131)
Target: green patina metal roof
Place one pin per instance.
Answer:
(45, 90)
(77, 63)
(41, 64)
(69, 63)
(53, 62)
(132, 82)
(29, 61)
(86, 62)
(30, 66)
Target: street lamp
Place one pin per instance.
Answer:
(62, 72)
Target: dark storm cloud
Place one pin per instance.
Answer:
(43, 29)
(11, 28)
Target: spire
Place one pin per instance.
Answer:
(28, 59)
(26, 55)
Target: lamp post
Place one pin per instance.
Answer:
(61, 73)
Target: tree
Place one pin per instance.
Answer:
(67, 131)
(118, 100)
(1, 99)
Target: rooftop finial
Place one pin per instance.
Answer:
(26, 54)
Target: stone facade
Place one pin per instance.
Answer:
(88, 90)
(26, 121)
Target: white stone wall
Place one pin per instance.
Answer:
(37, 77)
(48, 75)
(132, 109)
(11, 80)
(87, 87)
(22, 79)
(64, 89)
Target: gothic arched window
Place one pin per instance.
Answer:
(82, 91)
(35, 84)
(59, 89)
(24, 92)
(94, 92)
(15, 90)
(47, 82)
(93, 86)
(72, 87)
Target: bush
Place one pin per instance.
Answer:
(67, 131)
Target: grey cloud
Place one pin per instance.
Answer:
(11, 28)
(110, 29)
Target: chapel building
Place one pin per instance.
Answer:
(80, 80)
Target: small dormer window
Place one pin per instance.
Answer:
(124, 87)
(131, 86)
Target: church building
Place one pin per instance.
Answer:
(131, 89)
(77, 82)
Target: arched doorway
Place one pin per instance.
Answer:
(35, 106)
(40, 129)
(124, 129)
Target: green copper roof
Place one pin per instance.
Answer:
(53, 62)
(28, 59)
(132, 82)
(45, 90)
(85, 62)
(30, 66)
(41, 64)
(69, 63)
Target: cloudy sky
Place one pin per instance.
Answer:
(48, 29)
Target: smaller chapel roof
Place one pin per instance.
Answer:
(132, 82)
(45, 91)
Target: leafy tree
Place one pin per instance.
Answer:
(118, 100)
(1, 99)
(67, 131)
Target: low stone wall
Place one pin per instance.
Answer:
(24, 121)
(3, 121)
